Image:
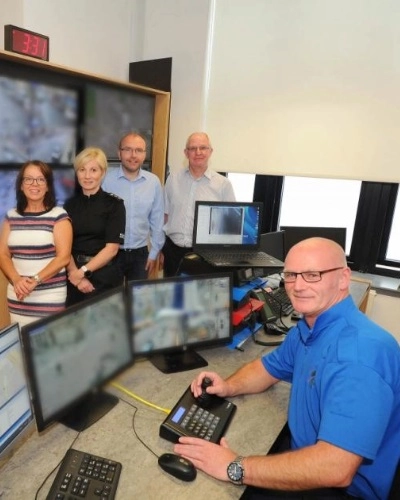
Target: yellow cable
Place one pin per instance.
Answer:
(133, 395)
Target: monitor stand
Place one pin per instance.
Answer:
(178, 361)
(90, 410)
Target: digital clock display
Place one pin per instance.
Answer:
(26, 42)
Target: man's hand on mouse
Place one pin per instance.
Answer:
(211, 458)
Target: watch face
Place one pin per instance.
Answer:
(235, 471)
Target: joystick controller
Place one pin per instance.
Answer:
(205, 399)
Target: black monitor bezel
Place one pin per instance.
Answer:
(192, 346)
(41, 422)
(295, 234)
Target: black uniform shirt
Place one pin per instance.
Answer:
(96, 220)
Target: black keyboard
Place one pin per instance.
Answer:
(82, 475)
(280, 302)
(190, 418)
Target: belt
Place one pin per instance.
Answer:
(189, 249)
(140, 249)
(83, 259)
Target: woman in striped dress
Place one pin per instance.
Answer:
(35, 247)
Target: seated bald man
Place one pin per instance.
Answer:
(344, 408)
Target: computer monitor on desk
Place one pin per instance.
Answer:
(16, 417)
(173, 316)
(71, 355)
(295, 234)
(274, 244)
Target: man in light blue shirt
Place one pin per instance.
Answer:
(143, 197)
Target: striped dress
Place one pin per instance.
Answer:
(31, 244)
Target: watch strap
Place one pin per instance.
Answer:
(236, 480)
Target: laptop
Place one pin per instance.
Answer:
(16, 416)
(227, 234)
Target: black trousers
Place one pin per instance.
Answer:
(132, 263)
(103, 279)
(282, 443)
(173, 255)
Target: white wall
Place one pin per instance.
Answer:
(94, 36)
(180, 28)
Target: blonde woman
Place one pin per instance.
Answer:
(98, 223)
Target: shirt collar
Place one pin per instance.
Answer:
(121, 173)
(208, 173)
(337, 311)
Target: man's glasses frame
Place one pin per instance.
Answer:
(308, 276)
(137, 151)
(202, 149)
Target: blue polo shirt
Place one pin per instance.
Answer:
(345, 376)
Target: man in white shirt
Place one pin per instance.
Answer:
(182, 189)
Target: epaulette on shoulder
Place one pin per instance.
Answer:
(114, 196)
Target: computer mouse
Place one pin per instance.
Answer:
(177, 466)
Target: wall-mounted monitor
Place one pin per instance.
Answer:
(173, 317)
(16, 416)
(38, 121)
(295, 234)
(64, 185)
(111, 112)
(70, 356)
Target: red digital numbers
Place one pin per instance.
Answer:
(30, 44)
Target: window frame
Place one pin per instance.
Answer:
(375, 212)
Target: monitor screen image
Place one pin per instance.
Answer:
(64, 186)
(222, 223)
(110, 113)
(294, 234)
(71, 355)
(37, 122)
(173, 316)
(16, 415)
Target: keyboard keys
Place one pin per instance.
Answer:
(82, 475)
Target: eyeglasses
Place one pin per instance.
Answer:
(308, 276)
(137, 151)
(202, 149)
(40, 181)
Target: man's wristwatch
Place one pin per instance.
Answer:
(86, 272)
(235, 471)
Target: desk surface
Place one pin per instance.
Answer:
(257, 422)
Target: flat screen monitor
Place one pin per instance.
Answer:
(64, 186)
(16, 416)
(273, 243)
(111, 112)
(70, 356)
(38, 121)
(294, 234)
(173, 317)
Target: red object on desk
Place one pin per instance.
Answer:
(242, 314)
